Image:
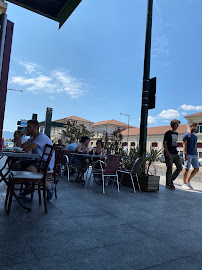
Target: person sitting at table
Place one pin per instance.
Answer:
(98, 150)
(71, 146)
(60, 145)
(79, 161)
(36, 145)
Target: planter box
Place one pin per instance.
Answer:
(147, 182)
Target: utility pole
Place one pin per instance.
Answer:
(146, 82)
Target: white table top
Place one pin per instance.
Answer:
(19, 154)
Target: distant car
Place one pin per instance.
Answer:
(200, 161)
(161, 158)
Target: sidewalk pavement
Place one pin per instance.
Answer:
(86, 230)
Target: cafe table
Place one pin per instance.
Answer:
(12, 156)
(83, 161)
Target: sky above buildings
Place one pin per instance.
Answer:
(93, 66)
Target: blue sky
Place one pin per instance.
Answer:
(93, 66)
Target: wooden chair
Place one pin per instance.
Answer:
(133, 172)
(37, 180)
(112, 166)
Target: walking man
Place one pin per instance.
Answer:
(171, 154)
(190, 155)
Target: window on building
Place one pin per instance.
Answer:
(154, 144)
(179, 144)
(199, 129)
(199, 145)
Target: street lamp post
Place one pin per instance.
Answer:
(15, 90)
(128, 115)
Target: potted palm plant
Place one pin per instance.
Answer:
(148, 179)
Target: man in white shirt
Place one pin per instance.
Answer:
(36, 144)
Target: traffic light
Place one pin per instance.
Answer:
(152, 93)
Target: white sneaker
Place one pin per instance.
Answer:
(189, 185)
(185, 186)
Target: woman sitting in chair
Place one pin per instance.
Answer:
(80, 161)
(98, 150)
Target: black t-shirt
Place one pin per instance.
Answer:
(171, 138)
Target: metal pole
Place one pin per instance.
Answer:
(128, 135)
(145, 90)
(3, 25)
(5, 71)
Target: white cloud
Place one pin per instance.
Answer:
(159, 40)
(170, 113)
(54, 81)
(29, 67)
(152, 119)
(183, 113)
(191, 107)
(51, 97)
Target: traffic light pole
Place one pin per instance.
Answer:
(146, 82)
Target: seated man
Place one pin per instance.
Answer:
(71, 146)
(60, 144)
(36, 144)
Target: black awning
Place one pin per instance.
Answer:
(57, 10)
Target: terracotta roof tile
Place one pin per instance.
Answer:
(111, 122)
(76, 118)
(195, 114)
(154, 130)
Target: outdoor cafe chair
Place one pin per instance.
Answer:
(24, 177)
(67, 162)
(112, 165)
(133, 172)
(52, 175)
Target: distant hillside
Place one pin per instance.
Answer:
(7, 135)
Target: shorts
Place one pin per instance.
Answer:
(193, 160)
(26, 163)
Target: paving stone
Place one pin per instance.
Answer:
(182, 264)
(95, 221)
(145, 253)
(99, 259)
(47, 244)
(116, 234)
(15, 251)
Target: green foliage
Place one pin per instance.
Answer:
(113, 143)
(75, 131)
(148, 159)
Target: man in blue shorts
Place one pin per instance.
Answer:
(190, 155)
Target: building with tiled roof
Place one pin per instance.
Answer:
(74, 118)
(112, 122)
(154, 134)
(56, 132)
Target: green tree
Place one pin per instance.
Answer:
(74, 131)
(113, 143)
